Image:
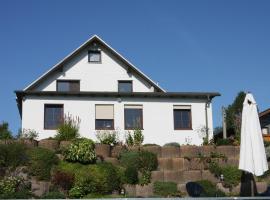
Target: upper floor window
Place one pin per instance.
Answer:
(104, 117)
(94, 56)
(68, 85)
(125, 86)
(133, 117)
(182, 117)
(53, 115)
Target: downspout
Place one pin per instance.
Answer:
(207, 104)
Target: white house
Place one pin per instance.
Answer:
(106, 91)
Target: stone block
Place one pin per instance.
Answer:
(178, 163)
(144, 191)
(223, 189)
(261, 187)
(114, 161)
(39, 188)
(228, 151)
(50, 144)
(193, 164)
(236, 190)
(170, 152)
(173, 176)
(103, 150)
(189, 151)
(192, 175)
(157, 176)
(64, 144)
(130, 190)
(29, 143)
(207, 175)
(154, 149)
(165, 164)
(229, 162)
(206, 150)
(182, 188)
(237, 151)
(116, 150)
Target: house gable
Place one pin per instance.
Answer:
(103, 76)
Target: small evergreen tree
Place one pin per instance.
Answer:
(5, 133)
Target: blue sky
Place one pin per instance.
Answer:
(188, 45)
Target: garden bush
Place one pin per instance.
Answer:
(82, 150)
(53, 195)
(107, 137)
(69, 129)
(41, 162)
(172, 144)
(135, 138)
(64, 180)
(14, 188)
(209, 189)
(129, 159)
(12, 155)
(221, 141)
(100, 178)
(150, 145)
(165, 189)
(5, 133)
(131, 175)
(147, 161)
(232, 176)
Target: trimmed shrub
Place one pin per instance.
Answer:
(82, 150)
(12, 155)
(107, 137)
(138, 137)
(172, 144)
(41, 162)
(53, 195)
(64, 180)
(5, 133)
(150, 145)
(69, 129)
(147, 161)
(209, 189)
(130, 159)
(221, 141)
(131, 175)
(165, 189)
(100, 178)
(232, 176)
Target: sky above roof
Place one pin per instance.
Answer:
(186, 46)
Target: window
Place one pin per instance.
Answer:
(182, 117)
(133, 117)
(124, 86)
(104, 117)
(94, 56)
(53, 115)
(68, 85)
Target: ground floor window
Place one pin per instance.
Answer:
(104, 117)
(182, 117)
(133, 117)
(53, 115)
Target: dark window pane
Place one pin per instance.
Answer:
(94, 56)
(67, 86)
(133, 118)
(124, 86)
(104, 124)
(182, 119)
(53, 116)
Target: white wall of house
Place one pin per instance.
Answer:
(102, 76)
(158, 120)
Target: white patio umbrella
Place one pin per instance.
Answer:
(252, 151)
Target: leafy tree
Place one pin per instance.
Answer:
(234, 114)
(5, 133)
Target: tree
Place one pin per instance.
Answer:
(4, 132)
(234, 114)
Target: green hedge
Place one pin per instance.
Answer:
(210, 190)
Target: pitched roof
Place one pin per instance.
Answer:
(265, 112)
(95, 38)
